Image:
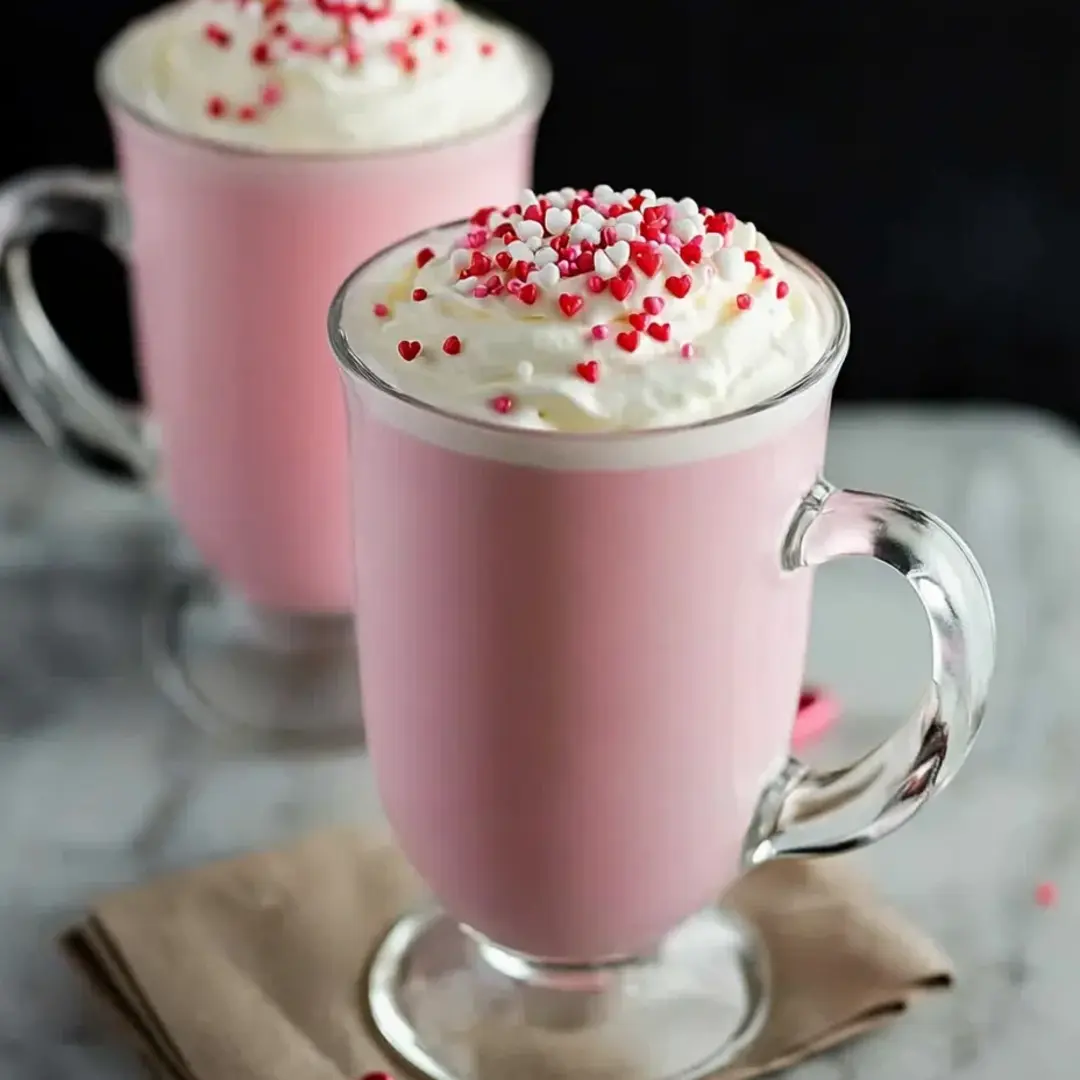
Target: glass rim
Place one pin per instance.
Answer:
(353, 365)
(533, 106)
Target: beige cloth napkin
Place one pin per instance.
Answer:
(251, 969)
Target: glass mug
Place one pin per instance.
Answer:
(234, 255)
(580, 657)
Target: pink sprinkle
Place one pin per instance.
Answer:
(782, 289)
(480, 292)
(1046, 894)
(744, 301)
(653, 305)
(687, 351)
(564, 267)
(514, 286)
(271, 95)
(381, 311)
(487, 49)
(601, 332)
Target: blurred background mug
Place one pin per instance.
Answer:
(234, 252)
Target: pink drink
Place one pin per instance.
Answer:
(578, 681)
(235, 257)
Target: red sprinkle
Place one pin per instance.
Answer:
(596, 284)
(720, 223)
(653, 305)
(648, 262)
(621, 287)
(487, 49)
(528, 294)
(424, 256)
(628, 340)
(419, 294)
(248, 114)
(441, 45)
(687, 351)
(1046, 894)
(679, 286)
(504, 403)
(589, 371)
(271, 95)
(452, 345)
(660, 331)
(218, 35)
(782, 289)
(639, 320)
(260, 54)
(600, 332)
(744, 301)
(409, 350)
(216, 107)
(570, 304)
(381, 311)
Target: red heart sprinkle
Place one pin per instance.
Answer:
(628, 340)
(596, 284)
(720, 223)
(503, 260)
(570, 304)
(744, 301)
(528, 294)
(409, 350)
(522, 269)
(609, 235)
(639, 320)
(660, 331)
(585, 262)
(648, 262)
(653, 305)
(452, 345)
(621, 287)
(691, 253)
(534, 213)
(679, 286)
(424, 256)
(589, 371)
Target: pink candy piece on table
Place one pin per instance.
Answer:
(818, 711)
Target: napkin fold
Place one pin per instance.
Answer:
(252, 968)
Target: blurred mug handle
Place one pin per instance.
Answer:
(810, 812)
(67, 409)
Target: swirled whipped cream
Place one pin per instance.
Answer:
(587, 311)
(324, 76)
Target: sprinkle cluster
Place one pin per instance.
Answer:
(343, 42)
(573, 251)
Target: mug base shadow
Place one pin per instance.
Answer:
(456, 1007)
(266, 680)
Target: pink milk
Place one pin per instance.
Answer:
(234, 260)
(580, 658)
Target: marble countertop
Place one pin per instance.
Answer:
(102, 785)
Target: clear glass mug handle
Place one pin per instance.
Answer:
(849, 807)
(56, 397)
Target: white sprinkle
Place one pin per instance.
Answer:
(603, 266)
(582, 231)
(525, 371)
(546, 277)
(591, 217)
(528, 198)
(535, 243)
(603, 193)
(628, 194)
(648, 193)
(687, 207)
(733, 265)
(465, 286)
(685, 230)
(529, 229)
(626, 231)
(619, 253)
(546, 255)
(460, 259)
(711, 243)
(672, 259)
(558, 220)
(556, 198)
(518, 250)
(632, 218)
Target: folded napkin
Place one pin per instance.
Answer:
(251, 969)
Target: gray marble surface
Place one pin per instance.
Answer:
(102, 785)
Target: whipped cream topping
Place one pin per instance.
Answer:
(324, 76)
(589, 311)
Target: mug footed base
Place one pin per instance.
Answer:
(456, 1007)
(264, 679)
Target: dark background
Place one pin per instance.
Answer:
(919, 152)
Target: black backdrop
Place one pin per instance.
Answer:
(917, 151)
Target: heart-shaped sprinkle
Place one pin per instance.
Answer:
(558, 221)
(546, 255)
(679, 286)
(409, 350)
(570, 304)
(424, 256)
(452, 345)
(527, 294)
(744, 301)
(628, 340)
(653, 305)
(691, 253)
(548, 276)
(639, 320)
(660, 331)
(596, 284)
(619, 253)
(621, 287)
(648, 262)
(603, 265)
(504, 260)
(589, 370)
(608, 235)
(529, 230)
